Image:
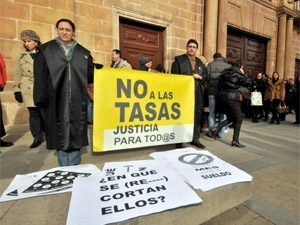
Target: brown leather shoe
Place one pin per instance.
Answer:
(198, 145)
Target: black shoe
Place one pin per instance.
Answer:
(214, 133)
(237, 144)
(266, 119)
(35, 144)
(272, 121)
(179, 145)
(277, 121)
(5, 144)
(207, 135)
(296, 122)
(198, 145)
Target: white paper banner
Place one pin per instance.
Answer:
(127, 192)
(201, 169)
(54, 181)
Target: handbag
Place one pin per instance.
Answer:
(256, 98)
(281, 108)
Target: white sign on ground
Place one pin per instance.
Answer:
(201, 169)
(122, 194)
(54, 181)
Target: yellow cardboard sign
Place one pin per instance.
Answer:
(136, 109)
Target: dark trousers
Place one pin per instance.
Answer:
(234, 116)
(297, 109)
(36, 123)
(198, 114)
(266, 106)
(274, 105)
(2, 129)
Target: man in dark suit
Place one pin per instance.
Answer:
(189, 64)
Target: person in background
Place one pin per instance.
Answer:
(231, 80)
(159, 69)
(145, 64)
(23, 84)
(258, 86)
(214, 70)
(266, 104)
(62, 70)
(189, 64)
(289, 94)
(3, 79)
(204, 117)
(297, 99)
(275, 93)
(118, 61)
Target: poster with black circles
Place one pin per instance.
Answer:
(54, 181)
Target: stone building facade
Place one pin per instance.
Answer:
(98, 29)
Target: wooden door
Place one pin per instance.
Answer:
(137, 40)
(250, 48)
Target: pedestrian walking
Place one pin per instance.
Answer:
(231, 80)
(214, 70)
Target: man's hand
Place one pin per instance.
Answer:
(197, 76)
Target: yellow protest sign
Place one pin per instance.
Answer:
(136, 109)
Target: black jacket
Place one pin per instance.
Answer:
(182, 65)
(60, 88)
(214, 70)
(230, 82)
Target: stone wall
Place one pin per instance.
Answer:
(97, 23)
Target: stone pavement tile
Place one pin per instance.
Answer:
(46, 210)
(253, 165)
(273, 213)
(4, 206)
(259, 221)
(272, 188)
(234, 155)
(283, 172)
(237, 216)
(292, 205)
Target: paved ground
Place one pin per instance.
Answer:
(271, 156)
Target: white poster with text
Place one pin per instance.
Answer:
(201, 169)
(123, 193)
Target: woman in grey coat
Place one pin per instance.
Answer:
(23, 84)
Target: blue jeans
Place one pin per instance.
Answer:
(211, 116)
(89, 110)
(69, 158)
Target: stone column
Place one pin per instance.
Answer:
(281, 45)
(288, 48)
(210, 29)
(222, 28)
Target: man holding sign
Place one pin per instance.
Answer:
(189, 64)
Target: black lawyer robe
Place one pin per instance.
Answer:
(182, 65)
(60, 89)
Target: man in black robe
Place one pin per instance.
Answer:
(189, 64)
(62, 70)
